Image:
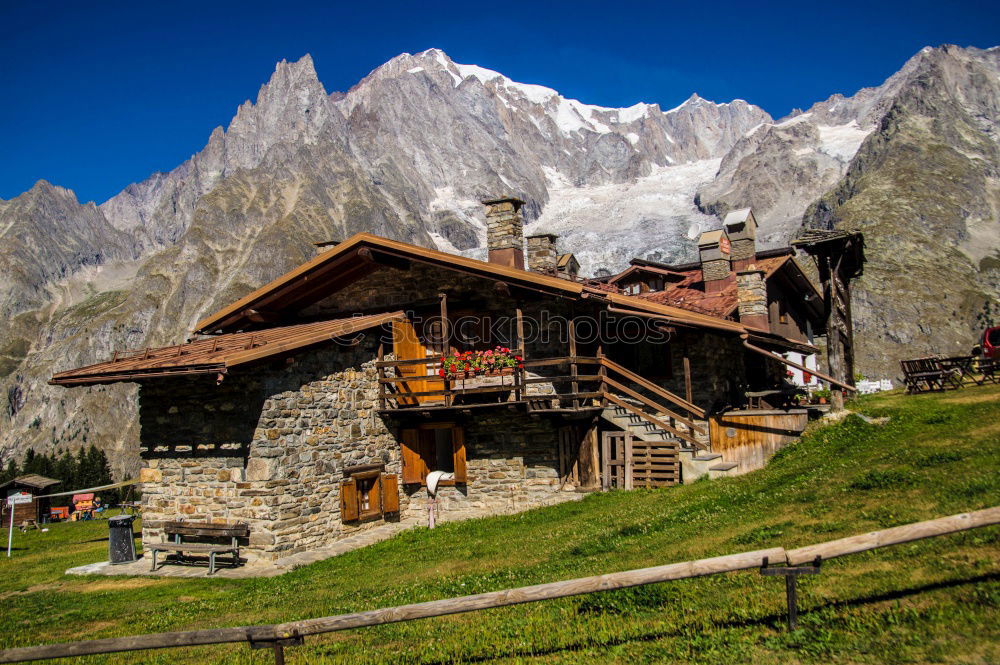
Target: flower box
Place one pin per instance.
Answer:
(499, 361)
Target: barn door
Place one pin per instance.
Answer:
(406, 345)
(616, 460)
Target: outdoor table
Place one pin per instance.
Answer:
(964, 366)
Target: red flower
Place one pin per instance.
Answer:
(453, 368)
(440, 372)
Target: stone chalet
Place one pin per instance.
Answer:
(317, 405)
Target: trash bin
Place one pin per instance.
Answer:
(121, 543)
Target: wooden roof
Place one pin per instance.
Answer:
(346, 263)
(32, 480)
(218, 354)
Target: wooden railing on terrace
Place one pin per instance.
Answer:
(611, 384)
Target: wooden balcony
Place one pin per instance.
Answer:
(544, 384)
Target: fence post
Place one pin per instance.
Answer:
(791, 575)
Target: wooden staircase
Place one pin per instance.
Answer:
(684, 438)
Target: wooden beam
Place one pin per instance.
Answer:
(687, 379)
(894, 536)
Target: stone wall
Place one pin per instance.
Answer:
(512, 465)
(718, 372)
(269, 447)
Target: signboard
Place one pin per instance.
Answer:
(15, 500)
(18, 499)
(724, 246)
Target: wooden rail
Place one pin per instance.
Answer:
(653, 420)
(655, 389)
(279, 635)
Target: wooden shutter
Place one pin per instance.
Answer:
(458, 450)
(413, 465)
(406, 345)
(390, 493)
(348, 501)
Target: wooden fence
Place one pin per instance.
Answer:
(278, 636)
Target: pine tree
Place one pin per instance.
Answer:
(10, 473)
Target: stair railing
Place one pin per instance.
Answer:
(609, 386)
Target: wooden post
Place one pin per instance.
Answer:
(834, 347)
(573, 370)
(445, 346)
(445, 326)
(602, 371)
(606, 461)
(519, 374)
(589, 458)
(628, 461)
(687, 378)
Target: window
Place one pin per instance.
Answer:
(433, 447)
(368, 494)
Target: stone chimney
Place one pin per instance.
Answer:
(714, 252)
(542, 254)
(505, 232)
(741, 227)
(751, 293)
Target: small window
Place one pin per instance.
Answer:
(368, 494)
(437, 447)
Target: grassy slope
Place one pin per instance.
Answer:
(933, 601)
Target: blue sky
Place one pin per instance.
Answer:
(98, 95)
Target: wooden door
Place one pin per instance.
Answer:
(407, 345)
(616, 460)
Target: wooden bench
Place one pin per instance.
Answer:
(990, 369)
(178, 531)
(923, 374)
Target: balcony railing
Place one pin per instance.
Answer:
(417, 383)
(606, 381)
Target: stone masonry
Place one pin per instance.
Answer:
(751, 293)
(269, 447)
(505, 232)
(542, 254)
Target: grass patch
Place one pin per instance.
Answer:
(884, 480)
(928, 601)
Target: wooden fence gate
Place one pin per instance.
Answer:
(616, 460)
(655, 464)
(627, 462)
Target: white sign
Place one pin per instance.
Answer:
(18, 499)
(14, 500)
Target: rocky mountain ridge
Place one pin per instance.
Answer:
(408, 153)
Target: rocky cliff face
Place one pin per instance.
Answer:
(925, 190)
(408, 153)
